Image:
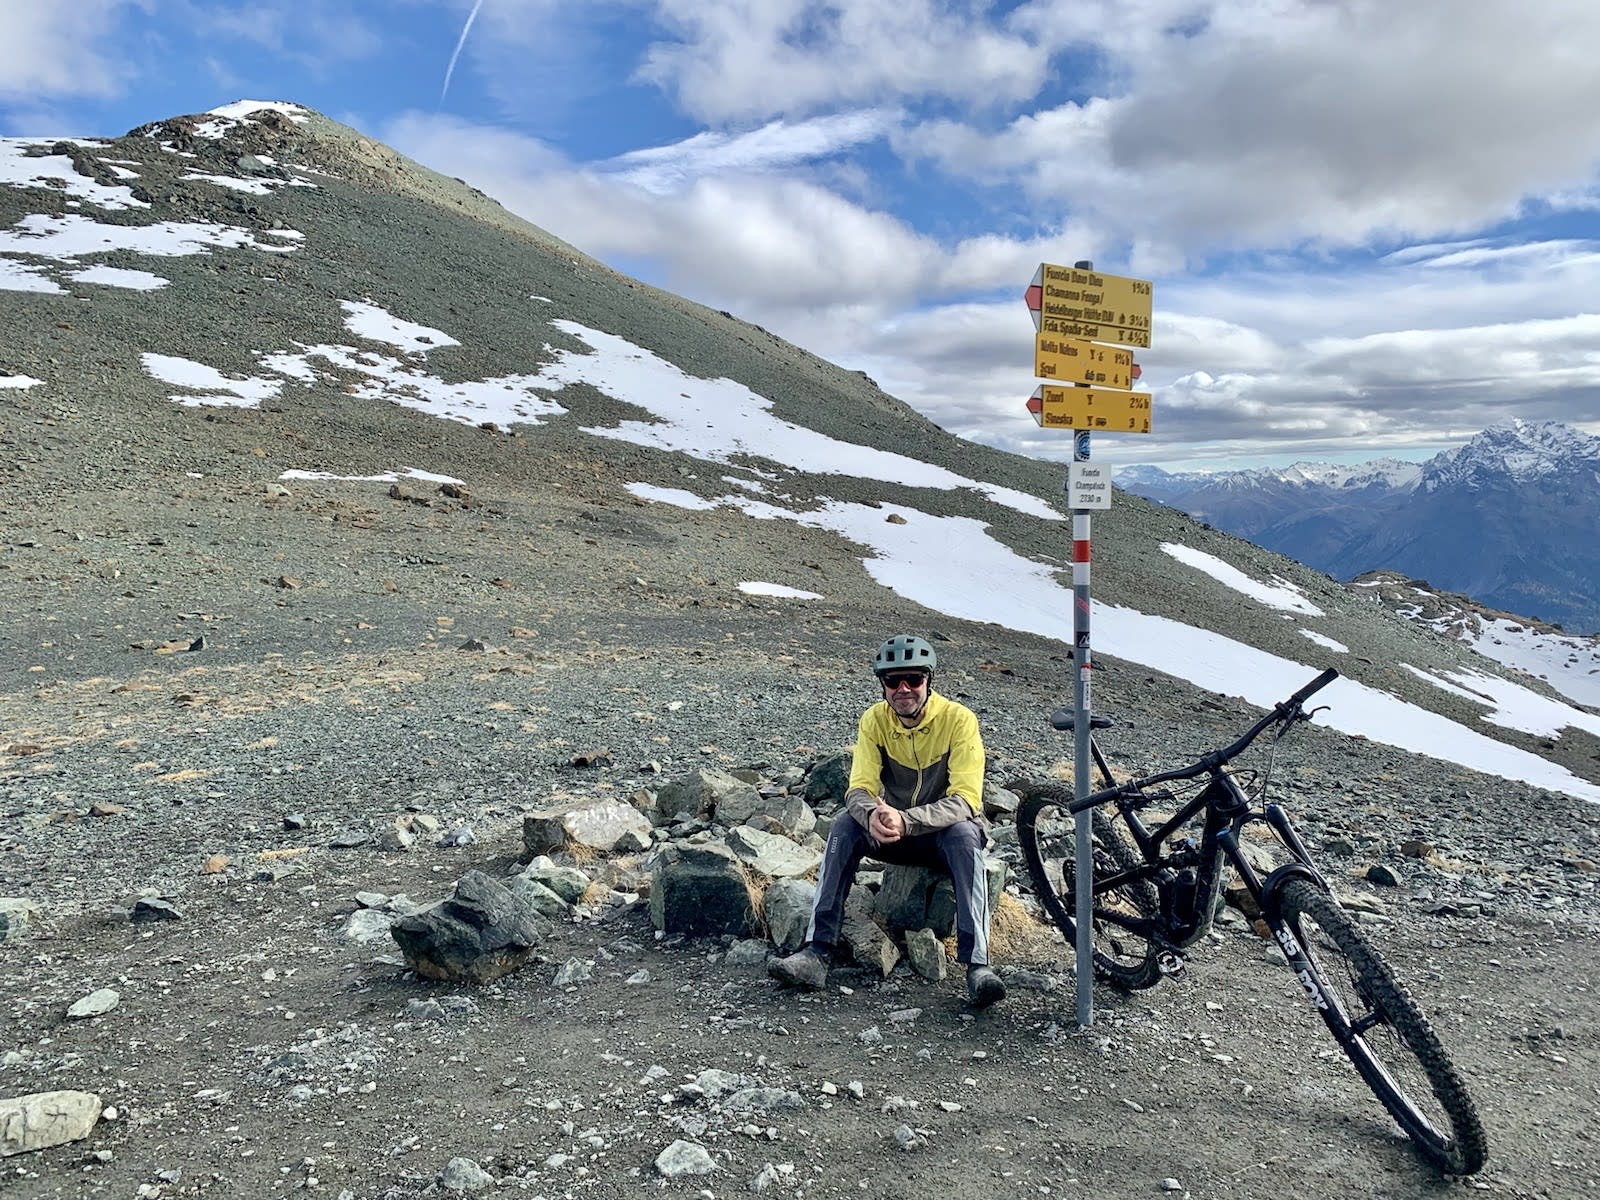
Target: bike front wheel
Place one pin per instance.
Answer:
(1125, 920)
(1381, 1030)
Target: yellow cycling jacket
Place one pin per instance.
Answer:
(933, 773)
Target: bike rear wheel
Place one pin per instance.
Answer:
(1381, 1031)
(1122, 930)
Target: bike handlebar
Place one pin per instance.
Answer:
(1286, 710)
(1312, 688)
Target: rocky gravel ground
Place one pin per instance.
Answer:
(259, 1049)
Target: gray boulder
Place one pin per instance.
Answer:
(869, 945)
(704, 793)
(684, 1158)
(700, 891)
(786, 907)
(483, 932)
(538, 896)
(999, 803)
(772, 854)
(788, 813)
(567, 882)
(42, 1119)
(829, 780)
(96, 1004)
(16, 914)
(925, 953)
(923, 898)
(598, 824)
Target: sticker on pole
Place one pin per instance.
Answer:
(1088, 485)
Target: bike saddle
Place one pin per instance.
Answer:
(1067, 718)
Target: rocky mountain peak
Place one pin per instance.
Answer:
(1514, 452)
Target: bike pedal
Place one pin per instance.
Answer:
(1169, 963)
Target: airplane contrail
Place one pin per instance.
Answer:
(460, 42)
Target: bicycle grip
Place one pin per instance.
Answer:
(1310, 689)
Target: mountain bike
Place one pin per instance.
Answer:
(1156, 890)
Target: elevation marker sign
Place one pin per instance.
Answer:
(1074, 309)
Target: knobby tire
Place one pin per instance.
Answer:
(1381, 1030)
(1122, 956)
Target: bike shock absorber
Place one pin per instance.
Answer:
(1180, 888)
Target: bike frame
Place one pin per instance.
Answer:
(1227, 811)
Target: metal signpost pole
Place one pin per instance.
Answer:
(1082, 323)
(1084, 874)
(1080, 727)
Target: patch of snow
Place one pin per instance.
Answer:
(1282, 594)
(777, 589)
(1512, 705)
(214, 387)
(242, 108)
(369, 321)
(720, 419)
(73, 236)
(26, 277)
(676, 497)
(1324, 640)
(120, 277)
(56, 171)
(382, 477)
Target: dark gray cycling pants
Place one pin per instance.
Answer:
(957, 849)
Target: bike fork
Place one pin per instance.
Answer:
(1301, 967)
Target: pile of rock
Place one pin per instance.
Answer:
(712, 853)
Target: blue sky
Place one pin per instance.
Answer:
(1372, 228)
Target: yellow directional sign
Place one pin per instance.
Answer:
(1073, 327)
(1105, 409)
(1073, 302)
(1076, 360)
(1075, 285)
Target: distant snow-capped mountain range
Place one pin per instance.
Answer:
(1511, 518)
(1380, 472)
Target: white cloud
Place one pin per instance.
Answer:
(59, 49)
(314, 35)
(1282, 121)
(777, 144)
(734, 239)
(751, 59)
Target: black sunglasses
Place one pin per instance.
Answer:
(914, 679)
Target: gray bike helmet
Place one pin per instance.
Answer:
(903, 651)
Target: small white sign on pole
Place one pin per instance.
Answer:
(1088, 485)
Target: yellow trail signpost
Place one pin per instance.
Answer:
(1103, 409)
(1074, 308)
(1073, 302)
(1076, 360)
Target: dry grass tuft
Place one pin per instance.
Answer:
(1014, 935)
(581, 854)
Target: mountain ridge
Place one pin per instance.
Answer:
(1509, 517)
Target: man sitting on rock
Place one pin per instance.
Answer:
(916, 798)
